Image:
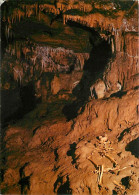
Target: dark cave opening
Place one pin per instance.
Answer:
(94, 67)
(10, 105)
(27, 94)
(133, 147)
(16, 103)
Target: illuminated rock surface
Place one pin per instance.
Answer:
(70, 100)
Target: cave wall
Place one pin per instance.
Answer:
(54, 71)
(46, 151)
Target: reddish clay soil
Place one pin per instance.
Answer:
(96, 153)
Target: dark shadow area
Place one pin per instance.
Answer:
(119, 94)
(93, 69)
(27, 94)
(95, 65)
(59, 180)
(15, 103)
(11, 105)
(55, 168)
(123, 133)
(65, 188)
(136, 88)
(57, 17)
(21, 170)
(1, 175)
(25, 184)
(133, 147)
(125, 181)
(34, 130)
(56, 154)
(71, 152)
(78, 25)
(114, 192)
(71, 110)
(33, 27)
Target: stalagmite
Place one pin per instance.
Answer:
(119, 87)
(75, 84)
(99, 88)
(36, 9)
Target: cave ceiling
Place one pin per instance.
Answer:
(65, 23)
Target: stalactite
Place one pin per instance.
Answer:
(109, 39)
(39, 15)
(31, 71)
(33, 59)
(18, 74)
(64, 19)
(18, 53)
(15, 74)
(36, 8)
(112, 45)
(8, 20)
(38, 84)
(25, 67)
(25, 50)
(13, 51)
(43, 64)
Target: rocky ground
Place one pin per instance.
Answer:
(96, 153)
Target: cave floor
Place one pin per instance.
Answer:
(44, 152)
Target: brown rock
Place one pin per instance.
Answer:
(11, 177)
(55, 85)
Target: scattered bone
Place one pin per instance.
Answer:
(111, 159)
(103, 139)
(100, 174)
(117, 184)
(92, 162)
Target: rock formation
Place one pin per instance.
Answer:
(69, 88)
